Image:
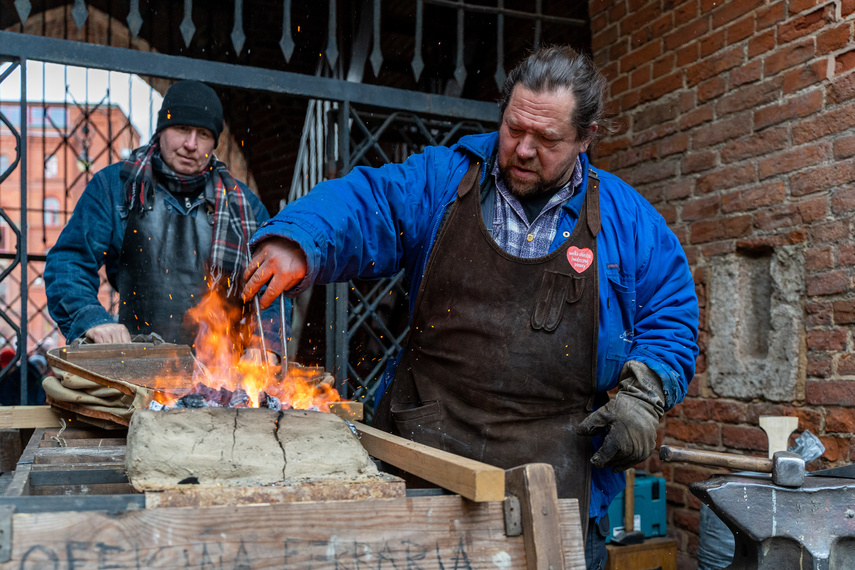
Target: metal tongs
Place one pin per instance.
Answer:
(283, 331)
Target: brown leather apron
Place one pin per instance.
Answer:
(500, 361)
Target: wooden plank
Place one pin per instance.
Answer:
(85, 442)
(658, 553)
(29, 417)
(380, 487)
(430, 533)
(571, 534)
(20, 484)
(63, 455)
(472, 479)
(83, 431)
(82, 490)
(534, 485)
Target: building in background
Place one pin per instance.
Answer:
(65, 145)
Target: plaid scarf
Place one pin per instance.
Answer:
(234, 220)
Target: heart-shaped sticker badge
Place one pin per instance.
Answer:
(580, 259)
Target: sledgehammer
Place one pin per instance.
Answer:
(787, 468)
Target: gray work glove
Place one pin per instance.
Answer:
(629, 420)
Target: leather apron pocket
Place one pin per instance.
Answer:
(419, 422)
(556, 289)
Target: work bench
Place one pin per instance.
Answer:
(69, 504)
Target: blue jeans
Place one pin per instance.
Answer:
(595, 544)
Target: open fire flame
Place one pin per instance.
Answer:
(224, 378)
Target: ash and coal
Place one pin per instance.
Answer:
(202, 396)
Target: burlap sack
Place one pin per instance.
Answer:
(73, 389)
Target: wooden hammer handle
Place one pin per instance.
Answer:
(716, 459)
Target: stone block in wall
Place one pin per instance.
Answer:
(756, 322)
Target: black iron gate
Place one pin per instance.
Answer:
(368, 124)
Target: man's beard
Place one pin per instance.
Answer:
(525, 191)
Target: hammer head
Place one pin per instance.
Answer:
(788, 469)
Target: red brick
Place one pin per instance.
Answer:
(847, 7)
(617, 51)
(639, 76)
(618, 86)
(688, 474)
(730, 11)
(617, 11)
(762, 43)
(687, 55)
(698, 162)
(844, 312)
(679, 189)
(787, 57)
(638, 57)
(652, 172)
(841, 89)
(712, 66)
(662, 25)
(725, 178)
(813, 210)
(791, 160)
(819, 365)
(711, 88)
(725, 228)
(822, 178)
(807, 75)
(712, 43)
(840, 420)
(763, 143)
(603, 39)
(844, 62)
(743, 437)
(833, 39)
(846, 255)
(753, 198)
(685, 13)
(663, 65)
(635, 155)
(638, 19)
(830, 232)
(678, 143)
(687, 33)
(828, 283)
(818, 258)
(720, 131)
(696, 117)
(843, 200)
(818, 315)
(846, 367)
(741, 30)
(803, 105)
(714, 410)
(687, 519)
(784, 216)
(806, 25)
(698, 433)
(662, 87)
(797, 6)
(832, 393)
(597, 6)
(748, 73)
(704, 208)
(769, 15)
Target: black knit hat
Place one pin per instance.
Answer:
(193, 104)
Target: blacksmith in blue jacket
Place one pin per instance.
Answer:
(537, 281)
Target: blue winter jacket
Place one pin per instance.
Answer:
(93, 237)
(374, 222)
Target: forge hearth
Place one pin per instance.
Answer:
(241, 447)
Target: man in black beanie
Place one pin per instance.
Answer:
(168, 224)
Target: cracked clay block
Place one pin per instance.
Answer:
(241, 447)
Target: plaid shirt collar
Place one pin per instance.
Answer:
(511, 229)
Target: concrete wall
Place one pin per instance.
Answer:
(739, 127)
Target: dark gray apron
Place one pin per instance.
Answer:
(162, 270)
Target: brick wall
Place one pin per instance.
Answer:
(738, 126)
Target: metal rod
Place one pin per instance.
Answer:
(283, 335)
(257, 304)
(508, 12)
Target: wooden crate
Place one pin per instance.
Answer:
(652, 554)
(69, 504)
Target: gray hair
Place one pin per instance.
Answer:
(561, 67)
